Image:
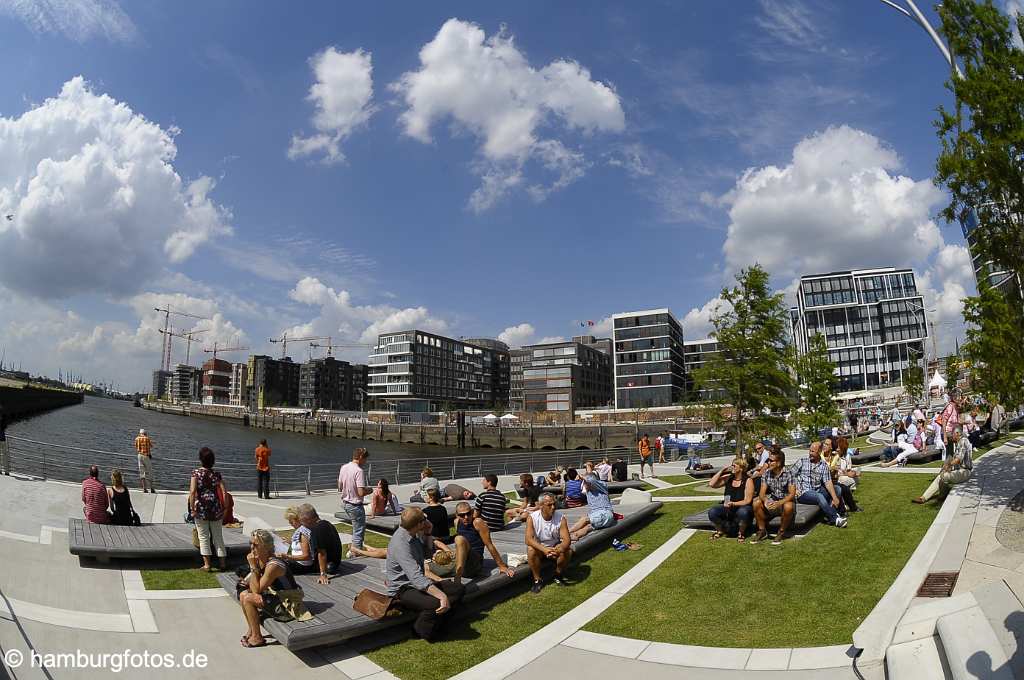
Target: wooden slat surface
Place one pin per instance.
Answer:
(148, 540)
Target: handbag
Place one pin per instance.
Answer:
(136, 520)
(374, 605)
(195, 537)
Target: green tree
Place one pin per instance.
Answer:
(749, 369)
(982, 158)
(913, 381)
(816, 374)
(994, 349)
(953, 370)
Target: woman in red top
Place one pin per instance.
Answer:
(263, 470)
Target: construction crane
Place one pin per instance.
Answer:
(189, 338)
(217, 348)
(284, 340)
(165, 359)
(331, 346)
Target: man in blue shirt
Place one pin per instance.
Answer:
(599, 505)
(814, 486)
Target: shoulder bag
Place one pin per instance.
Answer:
(374, 605)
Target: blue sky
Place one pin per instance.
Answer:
(644, 153)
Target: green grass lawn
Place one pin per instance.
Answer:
(471, 640)
(713, 592)
(677, 479)
(699, 489)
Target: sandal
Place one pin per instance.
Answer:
(740, 538)
(758, 537)
(717, 535)
(249, 645)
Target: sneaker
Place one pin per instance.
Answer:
(777, 539)
(619, 545)
(537, 587)
(561, 580)
(919, 500)
(841, 522)
(350, 555)
(758, 537)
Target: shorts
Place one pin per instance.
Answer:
(474, 563)
(776, 511)
(145, 467)
(601, 519)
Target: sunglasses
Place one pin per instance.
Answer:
(464, 514)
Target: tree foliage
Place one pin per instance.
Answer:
(816, 374)
(982, 158)
(750, 367)
(913, 381)
(994, 344)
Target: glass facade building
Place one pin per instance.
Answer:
(1004, 281)
(873, 321)
(565, 376)
(696, 353)
(649, 368)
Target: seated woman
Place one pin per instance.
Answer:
(844, 475)
(270, 590)
(121, 510)
(574, 495)
(383, 502)
(298, 557)
(438, 516)
(902, 450)
(737, 508)
(529, 492)
(893, 450)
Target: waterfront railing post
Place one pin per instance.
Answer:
(309, 479)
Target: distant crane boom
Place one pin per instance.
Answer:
(285, 339)
(165, 353)
(188, 337)
(217, 349)
(331, 346)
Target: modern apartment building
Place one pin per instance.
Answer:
(696, 354)
(501, 375)
(239, 389)
(272, 382)
(649, 364)
(417, 371)
(873, 321)
(1007, 282)
(161, 383)
(360, 386)
(329, 384)
(565, 376)
(517, 359)
(186, 384)
(217, 382)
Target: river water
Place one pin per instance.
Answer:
(111, 425)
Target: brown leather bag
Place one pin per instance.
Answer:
(374, 605)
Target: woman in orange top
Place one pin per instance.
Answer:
(263, 470)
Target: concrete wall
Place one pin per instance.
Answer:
(20, 402)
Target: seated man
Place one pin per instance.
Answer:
(95, 500)
(547, 538)
(490, 504)
(956, 470)
(471, 537)
(530, 493)
(599, 505)
(777, 496)
(620, 472)
(407, 581)
(814, 485)
(324, 542)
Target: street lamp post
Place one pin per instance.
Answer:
(915, 15)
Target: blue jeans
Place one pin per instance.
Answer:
(822, 499)
(600, 519)
(694, 462)
(356, 515)
(722, 516)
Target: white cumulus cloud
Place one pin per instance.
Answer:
(342, 97)
(90, 199)
(518, 335)
(487, 87)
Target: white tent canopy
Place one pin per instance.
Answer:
(509, 416)
(490, 416)
(937, 381)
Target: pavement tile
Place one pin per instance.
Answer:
(808, 658)
(696, 657)
(769, 659)
(613, 645)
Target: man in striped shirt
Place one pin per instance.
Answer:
(94, 498)
(144, 447)
(490, 504)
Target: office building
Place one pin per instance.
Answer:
(501, 370)
(649, 366)
(185, 385)
(360, 384)
(416, 371)
(565, 376)
(517, 359)
(272, 382)
(696, 353)
(873, 321)
(330, 384)
(1007, 282)
(239, 390)
(216, 382)
(161, 383)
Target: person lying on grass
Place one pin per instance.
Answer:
(547, 538)
(777, 497)
(737, 508)
(599, 507)
(472, 535)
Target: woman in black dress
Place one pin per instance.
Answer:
(120, 500)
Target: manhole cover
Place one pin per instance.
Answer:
(938, 584)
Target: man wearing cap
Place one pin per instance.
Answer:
(144, 445)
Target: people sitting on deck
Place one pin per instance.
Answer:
(844, 475)
(599, 508)
(121, 511)
(94, 498)
(471, 537)
(547, 538)
(777, 497)
(574, 496)
(814, 485)
(205, 501)
(490, 504)
(324, 542)
(407, 581)
(529, 494)
(971, 428)
(438, 515)
(934, 436)
(299, 556)
(898, 454)
(955, 470)
(620, 471)
(604, 470)
(382, 501)
(427, 481)
(893, 450)
(738, 507)
(457, 492)
(271, 590)
(693, 461)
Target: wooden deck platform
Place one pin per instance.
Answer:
(157, 541)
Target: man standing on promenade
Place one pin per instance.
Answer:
(263, 470)
(144, 446)
(644, 448)
(353, 486)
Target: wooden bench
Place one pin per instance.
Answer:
(803, 516)
(149, 541)
(389, 523)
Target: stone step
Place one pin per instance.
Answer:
(919, 621)
(921, 658)
(1005, 616)
(972, 648)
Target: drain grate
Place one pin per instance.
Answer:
(938, 584)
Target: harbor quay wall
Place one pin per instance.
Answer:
(524, 437)
(21, 402)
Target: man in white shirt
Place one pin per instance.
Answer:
(547, 538)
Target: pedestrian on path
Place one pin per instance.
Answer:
(263, 470)
(646, 457)
(353, 487)
(5, 453)
(144, 447)
(955, 470)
